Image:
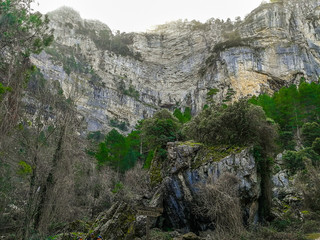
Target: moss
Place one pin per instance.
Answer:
(190, 143)
(286, 208)
(156, 234)
(305, 212)
(214, 154)
(313, 236)
(130, 220)
(155, 174)
(155, 170)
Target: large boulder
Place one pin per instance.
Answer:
(116, 223)
(190, 164)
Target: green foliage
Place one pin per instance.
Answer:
(24, 169)
(117, 187)
(22, 33)
(316, 145)
(156, 132)
(132, 92)
(232, 39)
(291, 108)
(229, 95)
(96, 136)
(148, 161)
(310, 131)
(286, 140)
(72, 61)
(118, 124)
(183, 117)
(212, 153)
(163, 127)
(155, 172)
(210, 94)
(293, 161)
(117, 151)
(196, 25)
(296, 160)
(157, 234)
(18, 26)
(112, 150)
(239, 122)
(3, 89)
(36, 81)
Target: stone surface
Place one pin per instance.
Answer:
(180, 184)
(274, 45)
(116, 223)
(287, 197)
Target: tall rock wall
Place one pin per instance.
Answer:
(177, 64)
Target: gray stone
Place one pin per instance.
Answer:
(180, 186)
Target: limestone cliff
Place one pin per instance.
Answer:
(117, 77)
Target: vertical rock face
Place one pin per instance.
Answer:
(127, 77)
(191, 164)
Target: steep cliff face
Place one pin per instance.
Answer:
(125, 77)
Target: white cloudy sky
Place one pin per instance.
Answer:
(139, 15)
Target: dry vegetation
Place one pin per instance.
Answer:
(219, 201)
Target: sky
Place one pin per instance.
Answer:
(140, 15)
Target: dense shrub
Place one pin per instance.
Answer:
(309, 185)
(239, 123)
(293, 161)
(118, 124)
(295, 109)
(310, 131)
(183, 117)
(316, 145)
(162, 128)
(296, 160)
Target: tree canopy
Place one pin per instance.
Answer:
(239, 123)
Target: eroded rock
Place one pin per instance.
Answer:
(190, 164)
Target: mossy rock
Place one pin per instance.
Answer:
(191, 144)
(155, 175)
(214, 154)
(117, 223)
(190, 236)
(155, 172)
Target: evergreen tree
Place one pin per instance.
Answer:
(291, 108)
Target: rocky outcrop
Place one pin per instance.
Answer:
(190, 164)
(130, 77)
(116, 223)
(287, 197)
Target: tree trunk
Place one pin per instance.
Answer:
(31, 199)
(49, 185)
